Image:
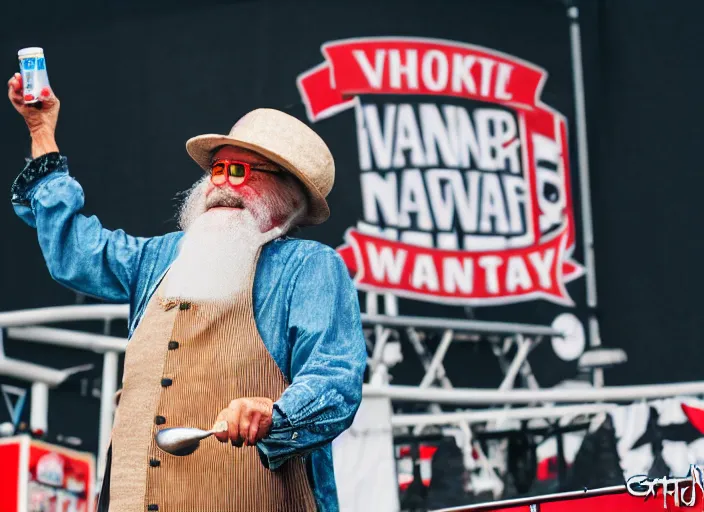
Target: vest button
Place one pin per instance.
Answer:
(159, 420)
(184, 306)
(173, 345)
(155, 463)
(152, 507)
(165, 383)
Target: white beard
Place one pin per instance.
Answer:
(217, 256)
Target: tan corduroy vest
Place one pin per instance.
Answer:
(184, 364)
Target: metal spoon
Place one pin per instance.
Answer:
(184, 440)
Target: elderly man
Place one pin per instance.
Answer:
(229, 319)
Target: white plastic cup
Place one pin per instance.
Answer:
(34, 75)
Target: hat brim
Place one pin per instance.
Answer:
(200, 148)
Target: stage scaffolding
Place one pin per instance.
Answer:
(479, 409)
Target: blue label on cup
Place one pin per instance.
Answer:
(29, 63)
(41, 64)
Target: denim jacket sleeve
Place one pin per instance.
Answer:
(328, 359)
(78, 251)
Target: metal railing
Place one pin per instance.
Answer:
(24, 325)
(472, 396)
(14, 324)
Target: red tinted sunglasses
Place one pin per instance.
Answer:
(233, 172)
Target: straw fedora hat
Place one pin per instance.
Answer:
(285, 140)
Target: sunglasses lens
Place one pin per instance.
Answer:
(217, 173)
(237, 170)
(236, 174)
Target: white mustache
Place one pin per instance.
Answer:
(219, 197)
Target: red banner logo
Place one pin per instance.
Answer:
(459, 276)
(465, 181)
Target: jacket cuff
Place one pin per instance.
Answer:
(267, 458)
(33, 172)
(279, 420)
(279, 437)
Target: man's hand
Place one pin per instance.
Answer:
(248, 420)
(41, 117)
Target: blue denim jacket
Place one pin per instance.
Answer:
(305, 307)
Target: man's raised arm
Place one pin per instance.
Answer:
(79, 253)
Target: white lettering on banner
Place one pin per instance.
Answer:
(487, 140)
(515, 189)
(488, 204)
(547, 167)
(503, 76)
(424, 274)
(493, 216)
(386, 265)
(407, 138)
(483, 203)
(436, 135)
(496, 130)
(407, 69)
(445, 188)
(491, 264)
(375, 73)
(462, 73)
(466, 201)
(437, 69)
(517, 275)
(370, 136)
(458, 275)
(487, 65)
(380, 191)
(542, 265)
(467, 143)
(414, 201)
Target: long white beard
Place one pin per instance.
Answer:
(216, 257)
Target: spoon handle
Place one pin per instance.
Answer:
(220, 426)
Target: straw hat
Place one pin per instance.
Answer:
(285, 140)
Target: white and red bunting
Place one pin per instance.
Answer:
(464, 202)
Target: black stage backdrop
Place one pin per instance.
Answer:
(136, 82)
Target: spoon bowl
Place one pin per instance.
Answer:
(182, 441)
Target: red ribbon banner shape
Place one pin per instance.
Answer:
(415, 66)
(460, 277)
